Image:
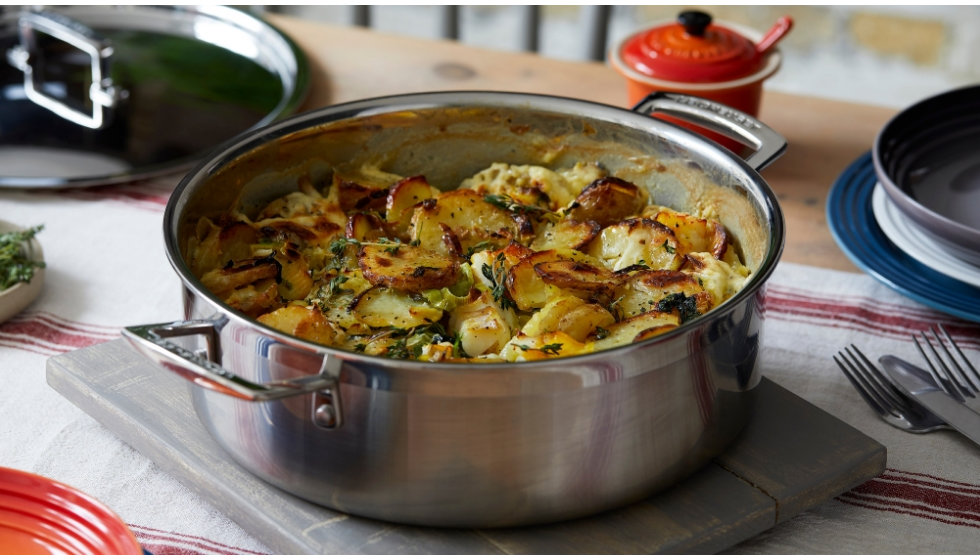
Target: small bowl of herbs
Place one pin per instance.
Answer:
(21, 268)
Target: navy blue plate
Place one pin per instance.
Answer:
(856, 231)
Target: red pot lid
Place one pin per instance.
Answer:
(695, 50)
(41, 516)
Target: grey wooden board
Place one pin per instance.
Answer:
(791, 457)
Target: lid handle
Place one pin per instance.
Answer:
(101, 92)
(694, 22)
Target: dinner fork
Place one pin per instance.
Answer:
(956, 375)
(877, 390)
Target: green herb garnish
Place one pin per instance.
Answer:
(497, 275)
(15, 266)
(686, 306)
(554, 348)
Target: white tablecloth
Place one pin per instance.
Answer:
(107, 268)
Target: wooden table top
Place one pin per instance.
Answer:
(824, 136)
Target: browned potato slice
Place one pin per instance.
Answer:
(294, 279)
(406, 267)
(222, 281)
(365, 227)
(310, 230)
(355, 196)
(637, 241)
(695, 234)
(585, 280)
(636, 328)
(470, 218)
(607, 201)
(402, 199)
(384, 307)
(566, 234)
(307, 323)
(213, 246)
(569, 314)
(644, 289)
(255, 299)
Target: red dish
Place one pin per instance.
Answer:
(41, 516)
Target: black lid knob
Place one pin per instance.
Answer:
(694, 22)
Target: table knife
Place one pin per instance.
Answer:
(917, 384)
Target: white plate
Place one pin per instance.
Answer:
(19, 296)
(917, 243)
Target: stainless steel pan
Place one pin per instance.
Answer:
(477, 445)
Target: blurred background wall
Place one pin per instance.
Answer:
(883, 55)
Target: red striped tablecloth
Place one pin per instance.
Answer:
(107, 269)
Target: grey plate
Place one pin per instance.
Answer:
(928, 162)
(180, 80)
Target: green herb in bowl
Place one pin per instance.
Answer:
(15, 263)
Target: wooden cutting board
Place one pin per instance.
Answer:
(791, 457)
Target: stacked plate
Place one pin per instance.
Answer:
(908, 211)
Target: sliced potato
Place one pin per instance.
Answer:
(524, 348)
(695, 234)
(402, 199)
(365, 227)
(636, 328)
(608, 200)
(255, 299)
(719, 278)
(481, 325)
(304, 322)
(637, 241)
(470, 218)
(569, 314)
(566, 233)
(385, 307)
(590, 282)
(406, 267)
(294, 279)
(213, 246)
(645, 289)
(221, 281)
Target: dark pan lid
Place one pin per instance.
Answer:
(95, 95)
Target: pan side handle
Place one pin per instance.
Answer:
(152, 341)
(767, 143)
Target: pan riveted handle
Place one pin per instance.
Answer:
(766, 142)
(151, 341)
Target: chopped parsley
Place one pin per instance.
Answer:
(15, 266)
(553, 349)
(686, 306)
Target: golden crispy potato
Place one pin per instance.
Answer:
(406, 267)
(590, 282)
(385, 307)
(645, 289)
(608, 200)
(567, 233)
(307, 323)
(637, 241)
(403, 197)
(556, 344)
(570, 315)
(520, 263)
(695, 235)
(470, 218)
(636, 328)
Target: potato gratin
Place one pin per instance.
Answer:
(519, 263)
